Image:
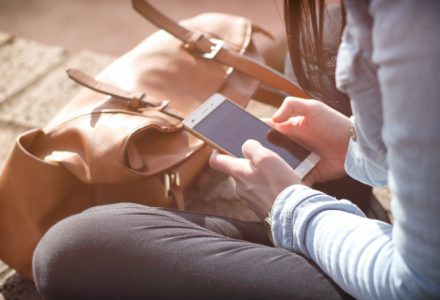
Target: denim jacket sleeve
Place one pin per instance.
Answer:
(397, 74)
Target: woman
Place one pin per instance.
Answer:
(388, 65)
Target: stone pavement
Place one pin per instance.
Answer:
(33, 87)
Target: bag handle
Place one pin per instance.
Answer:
(136, 101)
(209, 48)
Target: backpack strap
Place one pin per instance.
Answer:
(209, 48)
(136, 101)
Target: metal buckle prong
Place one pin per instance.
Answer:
(215, 48)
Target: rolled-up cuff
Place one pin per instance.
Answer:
(364, 169)
(293, 210)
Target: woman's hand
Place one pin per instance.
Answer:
(321, 129)
(260, 176)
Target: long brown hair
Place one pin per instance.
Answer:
(312, 63)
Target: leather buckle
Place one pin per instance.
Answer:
(215, 48)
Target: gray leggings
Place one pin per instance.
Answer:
(131, 251)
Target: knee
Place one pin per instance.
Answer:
(51, 254)
(68, 249)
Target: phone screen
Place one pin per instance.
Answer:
(229, 126)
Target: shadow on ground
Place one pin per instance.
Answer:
(17, 287)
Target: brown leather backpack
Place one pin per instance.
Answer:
(122, 139)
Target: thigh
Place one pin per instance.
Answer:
(130, 251)
(253, 232)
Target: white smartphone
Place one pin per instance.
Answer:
(226, 126)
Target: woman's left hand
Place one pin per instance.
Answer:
(260, 176)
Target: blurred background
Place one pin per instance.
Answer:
(113, 27)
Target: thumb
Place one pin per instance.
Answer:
(258, 155)
(291, 107)
(227, 164)
(252, 149)
(293, 128)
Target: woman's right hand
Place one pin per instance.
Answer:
(321, 129)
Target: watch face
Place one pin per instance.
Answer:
(268, 219)
(268, 226)
(352, 130)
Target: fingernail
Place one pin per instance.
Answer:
(213, 154)
(276, 115)
(253, 143)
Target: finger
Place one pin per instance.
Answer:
(250, 149)
(230, 165)
(308, 181)
(293, 128)
(268, 121)
(256, 153)
(267, 161)
(291, 106)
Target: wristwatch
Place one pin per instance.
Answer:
(268, 225)
(352, 130)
